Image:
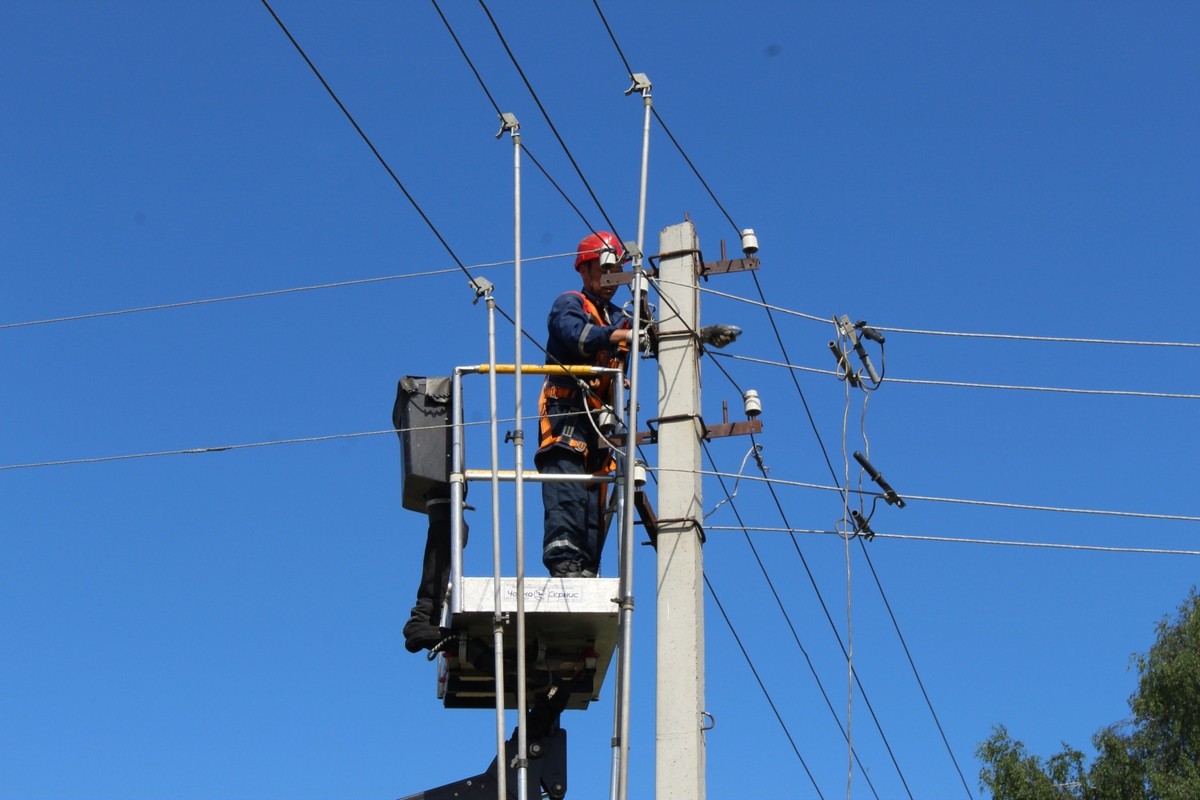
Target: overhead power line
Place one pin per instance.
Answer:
(267, 293)
(366, 139)
(812, 421)
(987, 503)
(964, 540)
(833, 626)
(970, 384)
(1003, 336)
(729, 498)
(762, 686)
(546, 115)
(491, 99)
(187, 451)
(1018, 337)
(193, 450)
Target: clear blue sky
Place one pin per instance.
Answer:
(227, 624)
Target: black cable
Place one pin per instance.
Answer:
(699, 177)
(550, 359)
(911, 663)
(382, 161)
(787, 618)
(616, 44)
(378, 156)
(666, 130)
(845, 653)
(587, 224)
(546, 116)
(803, 400)
(470, 64)
(762, 686)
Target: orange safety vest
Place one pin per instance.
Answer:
(600, 385)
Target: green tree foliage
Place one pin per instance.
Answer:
(1155, 755)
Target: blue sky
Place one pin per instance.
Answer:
(227, 624)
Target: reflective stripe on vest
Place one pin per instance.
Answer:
(600, 385)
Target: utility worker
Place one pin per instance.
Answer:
(585, 327)
(423, 631)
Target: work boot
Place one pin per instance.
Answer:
(421, 634)
(570, 569)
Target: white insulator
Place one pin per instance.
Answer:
(639, 474)
(752, 403)
(749, 242)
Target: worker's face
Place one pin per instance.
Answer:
(591, 272)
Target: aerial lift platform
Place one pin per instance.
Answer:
(571, 633)
(570, 624)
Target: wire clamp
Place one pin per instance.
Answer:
(851, 331)
(482, 288)
(641, 83)
(508, 122)
(861, 526)
(889, 494)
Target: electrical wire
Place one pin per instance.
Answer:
(964, 540)
(987, 503)
(228, 447)
(787, 617)
(1024, 338)
(545, 115)
(833, 626)
(778, 337)
(550, 359)
(928, 702)
(710, 473)
(466, 57)
(886, 603)
(267, 293)
(662, 122)
(362, 134)
(396, 179)
(194, 450)
(496, 106)
(761, 685)
(1001, 336)
(970, 385)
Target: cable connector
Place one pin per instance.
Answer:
(844, 365)
(851, 332)
(889, 494)
(861, 526)
(869, 332)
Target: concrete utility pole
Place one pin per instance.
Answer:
(679, 739)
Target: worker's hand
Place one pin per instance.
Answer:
(621, 336)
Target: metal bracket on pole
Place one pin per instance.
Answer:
(690, 522)
(728, 264)
(623, 278)
(647, 516)
(727, 428)
(707, 432)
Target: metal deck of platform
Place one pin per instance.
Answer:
(570, 632)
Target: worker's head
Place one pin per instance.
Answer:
(599, 253)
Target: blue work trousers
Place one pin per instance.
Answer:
(574, 512)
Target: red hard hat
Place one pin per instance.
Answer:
(589, 249)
